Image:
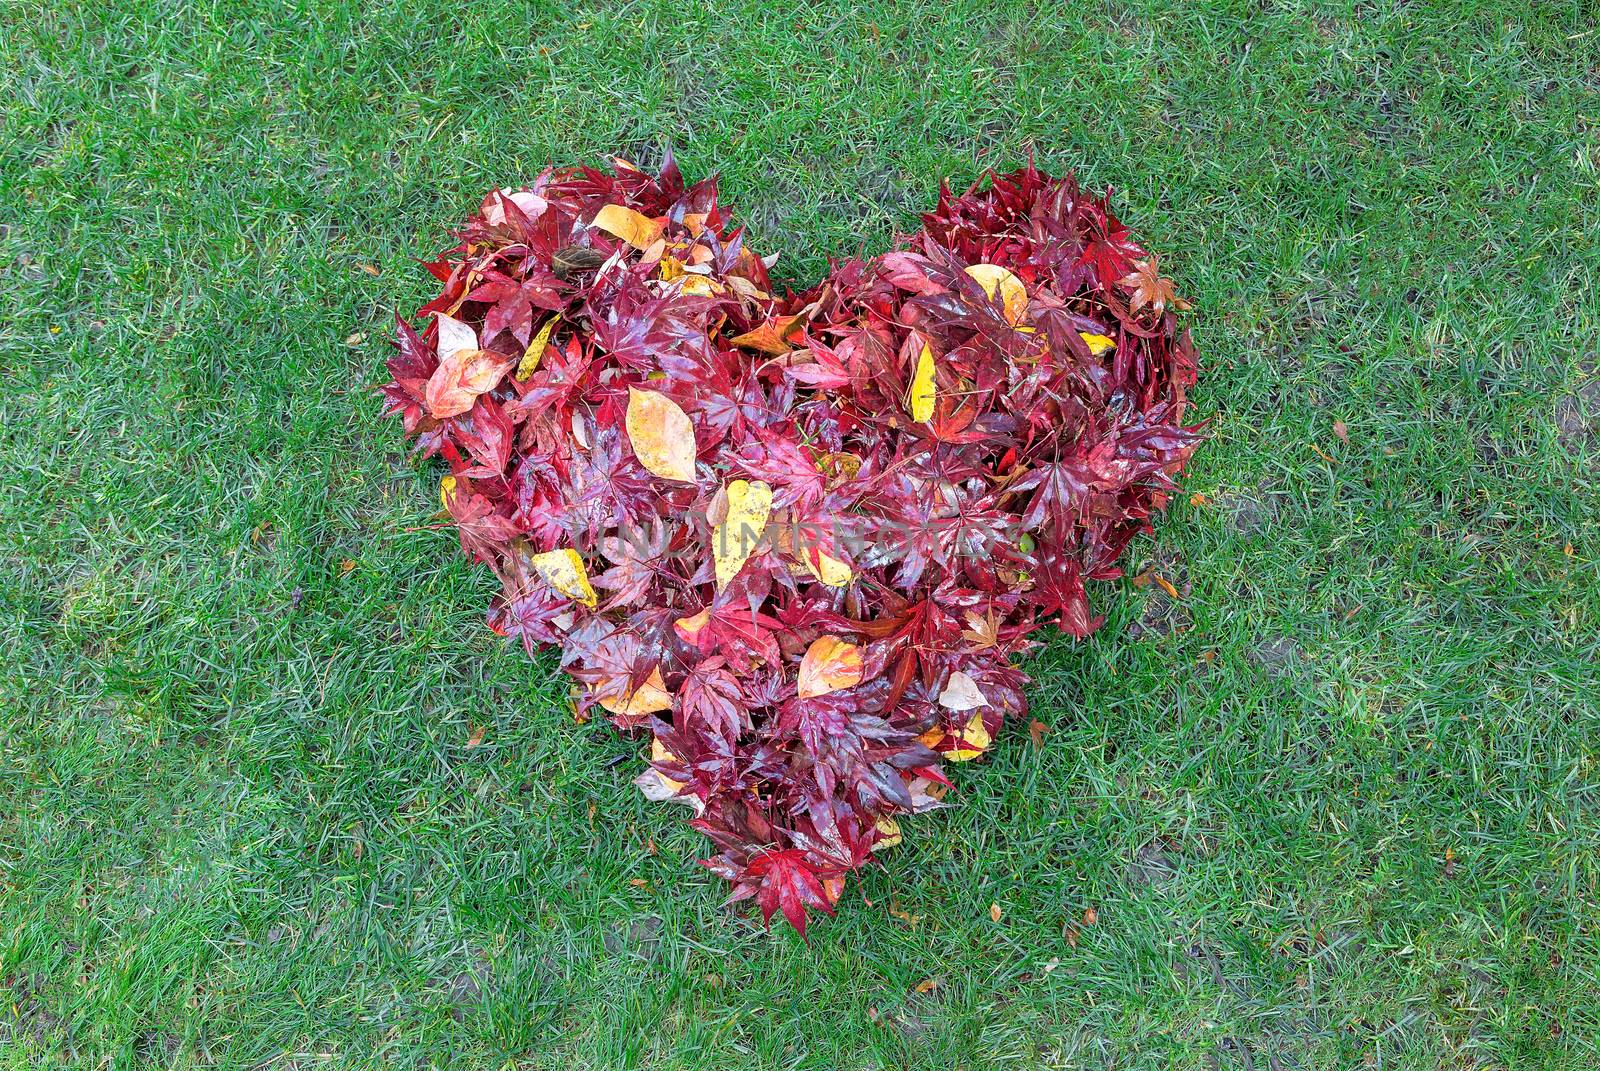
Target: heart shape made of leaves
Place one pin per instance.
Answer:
(797, 539)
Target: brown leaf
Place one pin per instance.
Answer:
(1150, 289)
(927, 985)
(1341, 431)
(981, 632)
(1090, 916)
(995, 913)
(1036, 731)
(476, 738)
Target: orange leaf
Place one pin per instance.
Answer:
(769, 337)
(995, 912)
(829, 665)
(464, 371)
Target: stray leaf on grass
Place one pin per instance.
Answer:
(829, 665)
(662, 435)
(995, 913)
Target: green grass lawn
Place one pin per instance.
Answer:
(1337, 806)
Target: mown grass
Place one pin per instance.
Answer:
(1336, 806)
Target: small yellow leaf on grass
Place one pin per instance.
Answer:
(648, 698)
(890, 835)
(1098, 344)
(996, 280)
(535, 351)
(637, 230)
(829, 665)
(921, 397)
(662, 435)
(735, 539)
(974, 740)
(447, 491)
(927, 985)
(564, 571)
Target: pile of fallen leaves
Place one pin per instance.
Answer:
(799, 540)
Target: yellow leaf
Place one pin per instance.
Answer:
(564, 571)
(662, 435)
(829, 665)
(648, 698)
(733, 541)
(996, 280)
(974, 740)
(535, 350)
(700, 286)
(891, 835)
(828, 569)
(1098, 344)
(922, 395)
(637, 230)
(447, 491)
